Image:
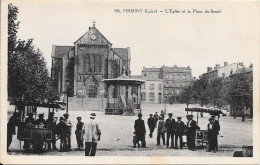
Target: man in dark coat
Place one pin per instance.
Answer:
(179, 131)
(140, 130)
(213, 131)
(51, 123)
(170, 124)
(79, 133)
(151, 123)
(29, 121)
(191, 132)
(13, 121)
(62, 132)
(40, 121)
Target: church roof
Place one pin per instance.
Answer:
(151, 69)
(101, 39)
(121, 52)
(60, 51)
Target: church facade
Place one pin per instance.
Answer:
(87, 63)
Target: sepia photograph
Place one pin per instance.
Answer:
(112, 80)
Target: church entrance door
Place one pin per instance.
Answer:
(92, 91)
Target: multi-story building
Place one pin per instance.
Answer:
(151, 90)
(174, 80)
(223, 71)
(171, 79)
(87, 63)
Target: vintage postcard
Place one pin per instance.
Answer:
(142, 82)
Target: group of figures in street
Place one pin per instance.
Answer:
(175, 130)
(89, 132)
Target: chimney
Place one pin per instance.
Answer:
(241, 64)
(209, 69)
(89, 28)
(225, 64)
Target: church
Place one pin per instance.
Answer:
(80, 69)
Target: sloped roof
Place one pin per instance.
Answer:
(94, 30)
(121, 52)
(176, 69)
(151, 69)
(60, 51)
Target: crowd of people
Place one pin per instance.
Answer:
(175, 130)
(89, 132)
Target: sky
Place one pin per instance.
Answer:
(186, 39)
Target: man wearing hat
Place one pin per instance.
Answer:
(51, 123)
(29, 121)
(92, 135)
(69, 125)
(63, 132)
(191, 132)
(151, 123)
(79, 133)
(213, 131)
(40, 121)
(140, 130)
(12, 122)
(161, 131)
(170, 124)
(179, 131)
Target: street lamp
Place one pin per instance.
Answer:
(67, 85)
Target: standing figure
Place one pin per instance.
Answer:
(213, 131)
(13, 121)
(162, 114)
(156, 118)
(51, 123)
(69, 125)
(151, 123)
(140, 130)
(62, 132)
(169, 124)
(217, 122)
(40, 122)
(161, 130)
(92, 135)
(191, 132)
(29, 121)
(79, 133)
(179, 132)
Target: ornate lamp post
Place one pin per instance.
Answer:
(67, 86)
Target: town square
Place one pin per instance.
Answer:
(165, 86)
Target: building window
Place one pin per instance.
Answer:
(184, 84)
(173, 84)
(87, 64)
(184, 77)
(166, 91)
(151, 96)
(143, 96)
(172, 91)
(144, 75)
(143, 86)
(159, 86)
(167, 76)
(152, 86)
(178, 92)
(173, 76)
(178, 77)
(98, 64)
(178, 84)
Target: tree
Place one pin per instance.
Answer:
(241, 92)
(27, 71)
(201, 91)
(215, 87)
(187, 95)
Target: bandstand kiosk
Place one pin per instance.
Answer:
(123, 95)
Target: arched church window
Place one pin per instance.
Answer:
(98, 63)
(87, 64)
(92, 63)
